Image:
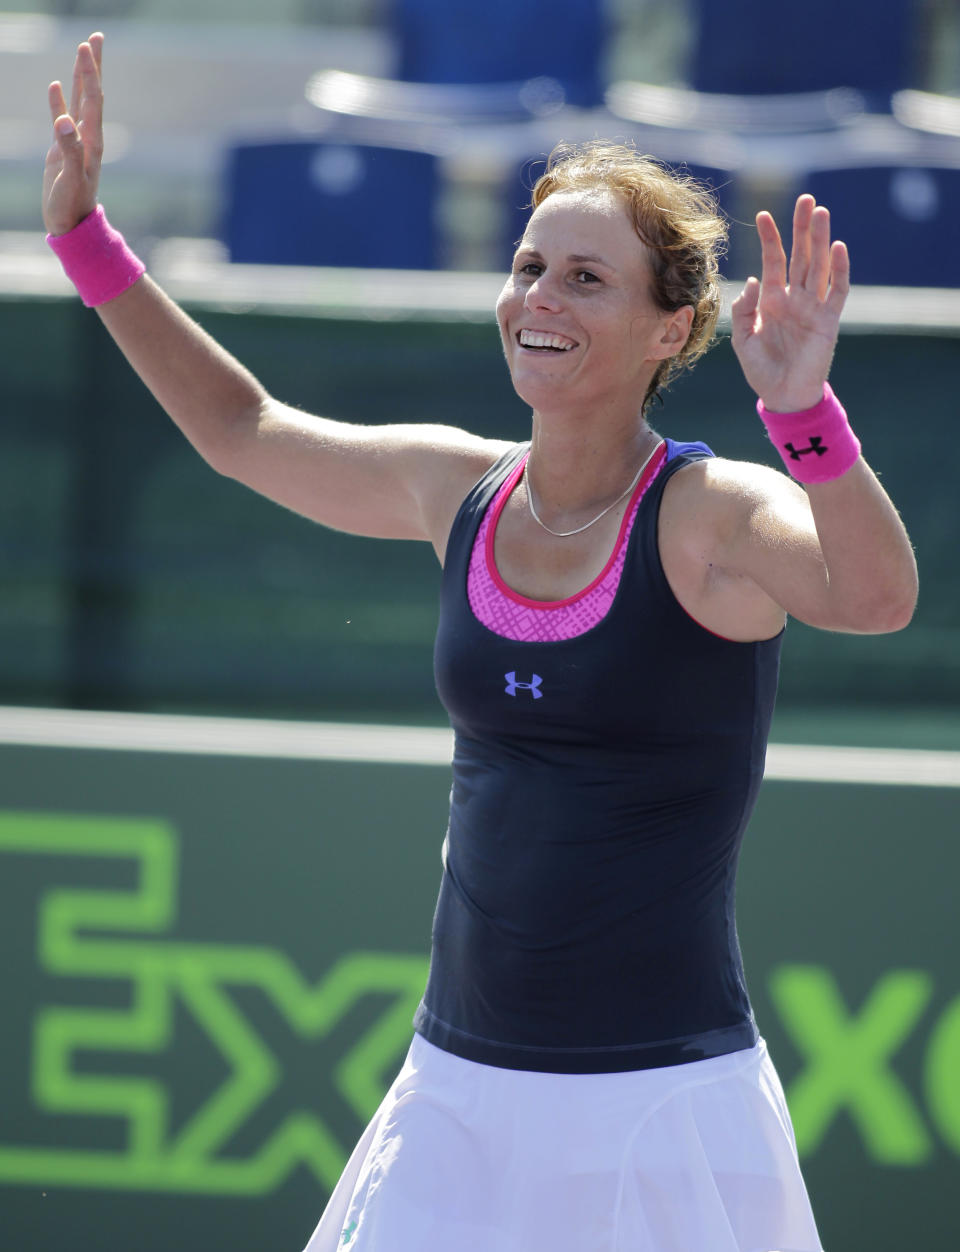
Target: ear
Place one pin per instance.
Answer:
(675, 332)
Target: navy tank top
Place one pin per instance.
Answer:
(601, 788)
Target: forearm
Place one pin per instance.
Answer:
(212, 398)
(870, 569)
(868, 572)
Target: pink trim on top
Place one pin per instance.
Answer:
(506, 613)
(503, 495)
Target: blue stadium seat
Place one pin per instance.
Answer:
(752, 48)
(306, 202)
(901, 223)
(497, 41)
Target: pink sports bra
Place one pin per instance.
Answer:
(513, 616)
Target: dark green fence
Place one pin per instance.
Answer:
(211, 964)
(135, 577)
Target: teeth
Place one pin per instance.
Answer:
(537, 339)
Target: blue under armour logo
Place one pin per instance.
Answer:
(533, 686)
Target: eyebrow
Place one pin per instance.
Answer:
(590, 260)
(576, 257)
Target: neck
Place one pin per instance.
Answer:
(574, 472)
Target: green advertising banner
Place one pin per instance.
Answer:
(216, 933)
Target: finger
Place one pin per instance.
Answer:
(88, 71)
(86, 85)
(839, 277)
(746, 302)
(96, 43)
(91, 103)
(68, 141)
(743, 310)
(58, 105)
(77, 92)
(818, 274)
(800, 248)
(772, 255)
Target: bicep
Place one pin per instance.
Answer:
(774, 543)
(390, 481)
(744, 545)
(838, 558)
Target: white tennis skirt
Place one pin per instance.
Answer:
(470, 1158)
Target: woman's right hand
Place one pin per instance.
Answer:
(72, 171)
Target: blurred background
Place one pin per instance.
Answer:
(216, 715)
(256, 160)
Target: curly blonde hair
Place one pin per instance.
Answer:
(674, 215)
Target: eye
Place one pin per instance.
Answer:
(530, 269)
(586, 276)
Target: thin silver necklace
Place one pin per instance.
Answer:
(565, 534)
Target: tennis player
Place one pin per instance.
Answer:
(585, 1074)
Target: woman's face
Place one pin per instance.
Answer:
(576, 316)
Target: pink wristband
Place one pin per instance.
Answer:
(96, 259)
(816, 444)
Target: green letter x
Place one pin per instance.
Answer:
(847, 1059)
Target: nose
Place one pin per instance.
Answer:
(543, 293)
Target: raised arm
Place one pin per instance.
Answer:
(834, 552)
(401, 481)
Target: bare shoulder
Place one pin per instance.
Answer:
(454, 447)
(450, 443)
(719, 479)
(444, 463)
(715, 516)
(718, 498)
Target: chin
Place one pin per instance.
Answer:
(539, 391)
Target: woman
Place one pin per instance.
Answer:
(586, 1071)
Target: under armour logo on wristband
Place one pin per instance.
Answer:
(836, 447)
(816, 445)
(533, 686)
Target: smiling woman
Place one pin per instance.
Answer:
(586, 1070)
(605, 321)
(673, 215)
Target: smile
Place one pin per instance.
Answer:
(543, 342)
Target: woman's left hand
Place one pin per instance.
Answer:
(785, 326)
